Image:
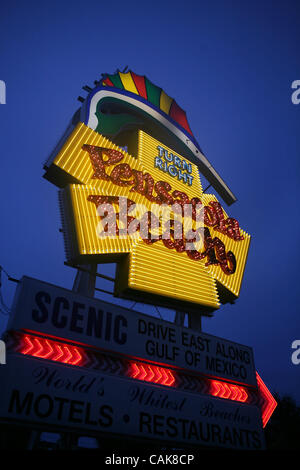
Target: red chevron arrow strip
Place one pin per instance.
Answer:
(46, 348)
(52, 350)
(228, 391)
(150, 373)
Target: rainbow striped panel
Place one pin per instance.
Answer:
(141, 86)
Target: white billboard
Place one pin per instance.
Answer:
(41, 393)
(52, 310)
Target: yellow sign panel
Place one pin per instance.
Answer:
(147, 268)
(198, 270)
(239, 248)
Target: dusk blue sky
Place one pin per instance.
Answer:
(230, 65)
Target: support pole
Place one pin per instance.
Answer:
(179, 318)
(194, 321)
(33, 440)
(85, 281)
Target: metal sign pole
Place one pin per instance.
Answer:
(194, 320)
(85, 281)
(179, 318)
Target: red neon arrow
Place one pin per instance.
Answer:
(29, 344)
(171, 379)
(165, 377)
(143, 374)
(78, 357)
(151, 374)
(39, 348)
(244, 395)
(135, 370)
(269, 402)
(68, 355)
(158, 375)
(228, 391)
(60, 353)
(47, 349)
(235, 393)
(154, 374)
(46, 354)
(216, 387)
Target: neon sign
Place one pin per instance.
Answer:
(174, 244)
(166, 269)
(143, 183)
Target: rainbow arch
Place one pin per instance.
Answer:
(143, 87)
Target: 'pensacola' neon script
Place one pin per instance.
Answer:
(143, 183)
